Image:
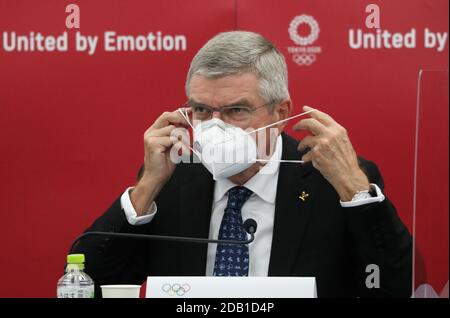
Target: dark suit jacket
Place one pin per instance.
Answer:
(313, 238)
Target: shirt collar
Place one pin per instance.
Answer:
(263, 183)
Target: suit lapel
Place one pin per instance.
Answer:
(196, 194)
(291, 212)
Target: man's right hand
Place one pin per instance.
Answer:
(158, 166)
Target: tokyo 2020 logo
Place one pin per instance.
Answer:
(304, 54)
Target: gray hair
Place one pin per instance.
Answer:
(239, 52)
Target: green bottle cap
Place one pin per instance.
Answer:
(75, 259)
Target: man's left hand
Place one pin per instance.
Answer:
(332, 153)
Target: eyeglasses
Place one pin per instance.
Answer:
(237, 112)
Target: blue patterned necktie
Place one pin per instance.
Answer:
(233, 260)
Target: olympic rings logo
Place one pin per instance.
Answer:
(304, 59)
(176, 289)
(311, 22)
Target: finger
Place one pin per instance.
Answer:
(180, 144)
(181, 133)
(169, 118)
(312, 125)
(165, 142)
(307, 157)
(161, 132)
(179, 149)
(185, 112)
(186, 105)
(308, 142)
(320, 116)
(313, 155)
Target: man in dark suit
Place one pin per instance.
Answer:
(326, 218)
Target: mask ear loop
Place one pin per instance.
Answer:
(281, 121)
(184, 114)
(279, 160)
(273, 124)
(276, 123)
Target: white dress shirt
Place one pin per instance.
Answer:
(260, 207)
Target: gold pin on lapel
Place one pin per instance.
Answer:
(303, 196)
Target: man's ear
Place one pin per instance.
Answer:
(282, 111)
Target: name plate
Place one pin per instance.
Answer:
(230, 287)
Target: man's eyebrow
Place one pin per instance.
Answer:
(192, 102)
(240, 102)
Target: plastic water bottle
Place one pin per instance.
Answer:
(75, 283)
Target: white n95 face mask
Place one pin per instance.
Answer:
(226, 150)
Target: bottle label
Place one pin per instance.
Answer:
(75, 292)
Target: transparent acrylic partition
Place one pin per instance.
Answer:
(431, 183)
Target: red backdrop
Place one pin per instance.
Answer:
(71, 124)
